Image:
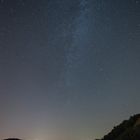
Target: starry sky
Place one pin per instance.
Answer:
(69, 69)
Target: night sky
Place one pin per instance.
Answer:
(69, 69)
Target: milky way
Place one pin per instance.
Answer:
(68, 68)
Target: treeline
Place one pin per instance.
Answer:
(127, 130)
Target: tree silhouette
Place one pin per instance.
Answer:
(127, 130)
(12, 139)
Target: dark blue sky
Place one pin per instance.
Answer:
(68, 68)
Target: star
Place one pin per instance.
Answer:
(137, 1)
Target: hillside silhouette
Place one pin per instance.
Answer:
(12, 139)
(127, 130)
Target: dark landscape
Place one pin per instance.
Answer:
(127, 130)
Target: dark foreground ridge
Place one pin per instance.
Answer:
(127, 130)
(12, 139)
